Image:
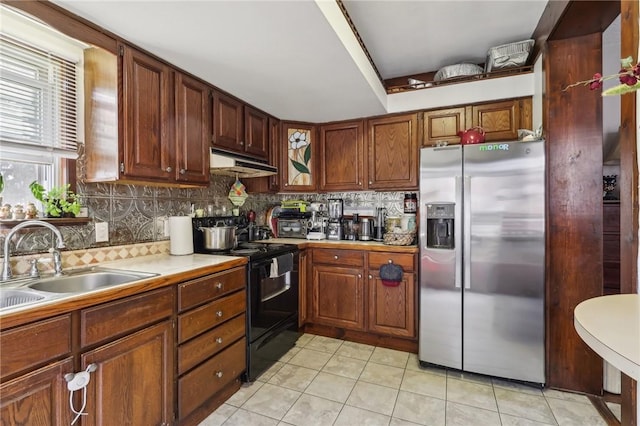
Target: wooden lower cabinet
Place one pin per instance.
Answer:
(338, 295)
(179, 347)
(33, 361)
(392, 309)
(348, 305)
(133, 382)
(211, 342)
(39, 398)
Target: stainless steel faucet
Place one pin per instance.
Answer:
(57, 260)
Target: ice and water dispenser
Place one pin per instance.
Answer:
(440, 220)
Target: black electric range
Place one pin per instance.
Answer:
(272, 294)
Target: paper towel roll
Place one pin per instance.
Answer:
(180, 235)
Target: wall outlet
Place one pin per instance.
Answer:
(102, 232)
(162, 227)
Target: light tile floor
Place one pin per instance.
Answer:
(324, 381)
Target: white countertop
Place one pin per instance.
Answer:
(610, 325)
(164, 264)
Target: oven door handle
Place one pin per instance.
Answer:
(277, 293)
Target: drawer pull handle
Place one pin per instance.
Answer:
(218, 340)
(219, 286)
(219, 314)
(219, 374)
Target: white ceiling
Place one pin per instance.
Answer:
(297, 59)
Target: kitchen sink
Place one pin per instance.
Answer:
(87, 281)
(14, 297)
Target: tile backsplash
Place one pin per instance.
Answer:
(136, 213)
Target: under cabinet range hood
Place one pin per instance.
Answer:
(224, 163)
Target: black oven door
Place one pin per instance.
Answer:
(272, 301)
(272, 315)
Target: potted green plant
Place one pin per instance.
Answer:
(59, 201)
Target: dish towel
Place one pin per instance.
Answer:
(280, 265)
(391, 274)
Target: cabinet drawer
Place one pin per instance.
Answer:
(208, 288)
(406, 260)
(339, 257)
(34, 344)
(210, 315)
(202, 383)
(210, 343)
(116, 318)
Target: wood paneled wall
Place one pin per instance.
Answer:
(573, 127)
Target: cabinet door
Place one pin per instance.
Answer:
(338, 298)
(443, 125)
(298, 163)
(393, 152)
(133, 382)
(341, 156)
(303, 290)
(228, 127)
(392, 309)
(256, 132)
(37, 398)
(499, 120)
(275, 149)
(147, 145)
(193, 130)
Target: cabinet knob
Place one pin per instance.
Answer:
(219, 374)
(218, 340)
(241, 143)
(335, 257)
(390, 261)
(219, 286)
(359, 275)
(219, 314)
(168, 169)
(370, 276)
(286, 184)
(360, 183)
(370, 182)
(182, 171)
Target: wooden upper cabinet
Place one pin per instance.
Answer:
(238, 127)
(271, 183)
(392, 144)
(193, 129)
(228, 125)
(443, 125)
(342, 157)
(499, 120)
(297, 157)
(146, 144)
(155, 130)
(256, 132)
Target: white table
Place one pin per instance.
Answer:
(610, 325)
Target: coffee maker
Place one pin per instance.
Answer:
(334, 224)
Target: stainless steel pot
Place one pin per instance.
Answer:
(219, 237)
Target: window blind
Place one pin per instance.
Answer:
(38, 98)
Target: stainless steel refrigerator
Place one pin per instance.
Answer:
(482, 253)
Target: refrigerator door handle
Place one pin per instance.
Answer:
(467, 231)
(457, 234)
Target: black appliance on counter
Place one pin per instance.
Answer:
(272, 294)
